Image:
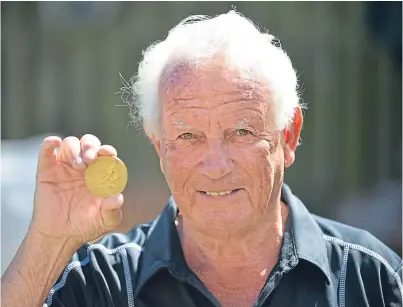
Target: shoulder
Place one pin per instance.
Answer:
(364, 263)
(359, 242)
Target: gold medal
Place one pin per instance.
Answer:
(106, 177)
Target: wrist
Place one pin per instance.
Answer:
(37, 236)
(38, 263)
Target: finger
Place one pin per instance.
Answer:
(70, 152)
(47, 152)
(90, 145)
(112, 219)
(113, 202)
(107, 150)
(111, 210)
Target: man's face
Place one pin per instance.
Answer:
(219, 149)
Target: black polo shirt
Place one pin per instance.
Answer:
(322, 263)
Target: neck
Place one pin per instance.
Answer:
(254, 252)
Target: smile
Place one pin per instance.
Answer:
(219, 193)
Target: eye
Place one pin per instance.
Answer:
(186, 136)
(242, 132)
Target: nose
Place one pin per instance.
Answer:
(217, 162)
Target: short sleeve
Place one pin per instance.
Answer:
(92, 278)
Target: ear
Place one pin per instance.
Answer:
(157, 145)
(291, 137)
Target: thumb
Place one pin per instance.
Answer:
(47, 152)
(111, 210)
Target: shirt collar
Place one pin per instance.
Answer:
(308, 237)
(163, 249)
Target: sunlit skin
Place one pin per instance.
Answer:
(218, 134)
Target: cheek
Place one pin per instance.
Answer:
(258, 161)
(257, 154)
(179, 163)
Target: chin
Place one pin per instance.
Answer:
(223, 222)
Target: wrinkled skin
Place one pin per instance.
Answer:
(64, 207)
(218, 134)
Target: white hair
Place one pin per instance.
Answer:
(197, 39)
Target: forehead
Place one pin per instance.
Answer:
(210, 85)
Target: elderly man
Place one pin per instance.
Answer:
(218, 100)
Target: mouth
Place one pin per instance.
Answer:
(219, 193)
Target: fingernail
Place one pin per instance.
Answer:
(77, 160)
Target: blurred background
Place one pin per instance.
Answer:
(60, 74)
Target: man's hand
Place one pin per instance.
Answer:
(64, 207)
(66, 215)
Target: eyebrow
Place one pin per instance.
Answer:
(243, 123)
(181, 124)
